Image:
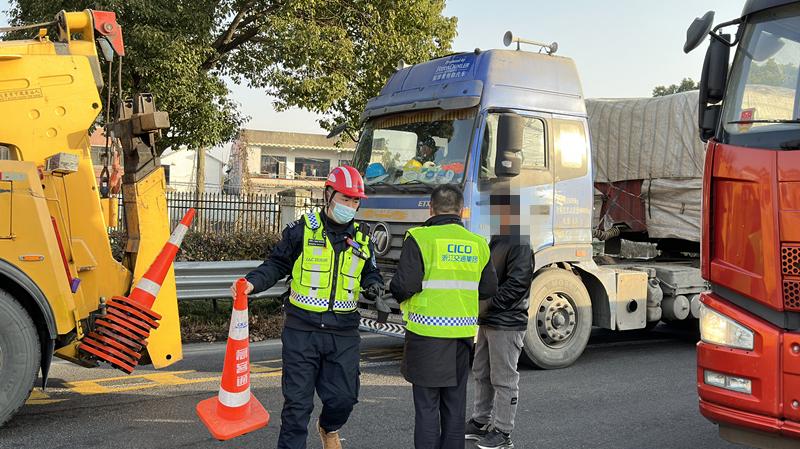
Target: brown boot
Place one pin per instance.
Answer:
(330, 440)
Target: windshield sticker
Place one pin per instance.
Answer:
(455, 68)
(747, 115)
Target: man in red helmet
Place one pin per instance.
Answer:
(330, 260)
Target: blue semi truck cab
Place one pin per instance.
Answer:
(498, 122)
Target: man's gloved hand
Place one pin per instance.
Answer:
(383, 309)
(375, 293)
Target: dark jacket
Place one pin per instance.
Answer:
(280, 262)
(513, 261)
(429, 361)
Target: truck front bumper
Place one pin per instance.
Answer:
(766, 410)
(752, 429)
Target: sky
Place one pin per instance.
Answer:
(622, 48)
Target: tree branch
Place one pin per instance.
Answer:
(242, 38)
(228, 34)
(226, 42)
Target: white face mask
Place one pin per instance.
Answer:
(343, 214)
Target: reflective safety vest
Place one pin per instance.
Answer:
(447, 306)
(323, 280)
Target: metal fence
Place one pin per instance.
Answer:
(218, 212)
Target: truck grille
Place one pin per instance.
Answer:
(790, 262)
(791, 294)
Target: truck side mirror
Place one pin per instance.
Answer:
(698, 31)
(508, 159)
(712, 84)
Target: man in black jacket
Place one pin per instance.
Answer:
(320, 337)
(502, 330)
(438, 368)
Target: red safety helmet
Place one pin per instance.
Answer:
(347, 181)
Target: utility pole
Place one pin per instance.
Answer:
(200, 186)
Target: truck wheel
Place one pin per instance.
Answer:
(559, 320)
(19, 356)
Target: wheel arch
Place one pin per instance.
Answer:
(602, 312)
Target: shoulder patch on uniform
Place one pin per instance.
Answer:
(294, 223)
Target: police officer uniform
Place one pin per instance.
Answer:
(330, 264)
(442, 273)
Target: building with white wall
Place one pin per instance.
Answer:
(180, 169)
(271, 161)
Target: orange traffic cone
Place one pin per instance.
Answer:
(234, 411)
(121, 334)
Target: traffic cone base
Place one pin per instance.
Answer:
(211, 413)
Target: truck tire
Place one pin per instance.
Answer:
(559, 320)
(20, 354)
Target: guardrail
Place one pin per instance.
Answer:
(212, 280)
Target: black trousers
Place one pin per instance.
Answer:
(317, 361)
(439, 412)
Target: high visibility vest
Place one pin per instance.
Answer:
(323, 280)
(447, 306)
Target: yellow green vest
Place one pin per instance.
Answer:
(313, 274)
(447, 306)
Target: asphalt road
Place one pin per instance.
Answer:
(628, 391)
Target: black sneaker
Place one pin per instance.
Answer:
(473, 430)
(496, 439)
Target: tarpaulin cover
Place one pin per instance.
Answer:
(643, 138)
(655, 140)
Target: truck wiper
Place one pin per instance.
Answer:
(384, 183)
(746, 122)
(418, 182)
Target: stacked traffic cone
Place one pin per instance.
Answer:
(121, 334)
(234, 411)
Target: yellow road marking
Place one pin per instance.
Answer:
(154, 380)
(38, 397)
(121, 384)
(259, 366)
(128, 383)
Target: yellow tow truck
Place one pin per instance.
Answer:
(56, 266)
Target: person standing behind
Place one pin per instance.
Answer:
(443, 272)
(502, 331)
(330, 259)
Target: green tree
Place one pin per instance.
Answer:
(326, 56)
(685, 85)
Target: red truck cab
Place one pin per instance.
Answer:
(748, 359)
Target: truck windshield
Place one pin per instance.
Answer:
(762, 98)
(422, 147)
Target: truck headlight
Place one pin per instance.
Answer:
(718, 329)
